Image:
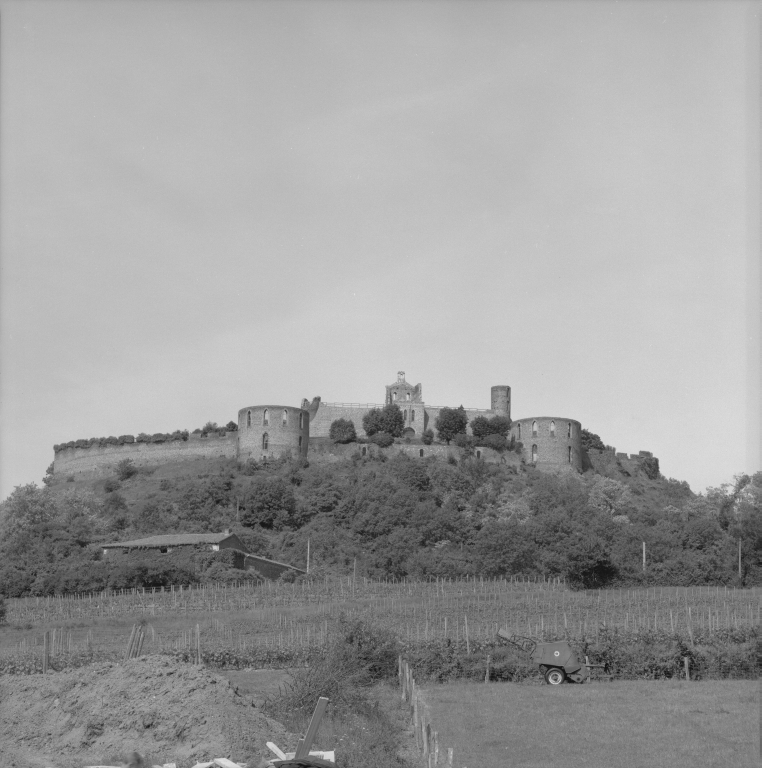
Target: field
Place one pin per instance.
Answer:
(666, 724)
(281, 624)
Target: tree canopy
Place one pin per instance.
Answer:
(450, 422)
(388, 419)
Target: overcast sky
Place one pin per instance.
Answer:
(210, 205)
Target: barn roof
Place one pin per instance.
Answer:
(173, 540)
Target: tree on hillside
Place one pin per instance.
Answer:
(342, 431)
(591, 440)
(231, 426)
(388, 419)
(450, 422)
(482, 427)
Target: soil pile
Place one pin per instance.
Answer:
(165, 710)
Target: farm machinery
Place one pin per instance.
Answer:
(558, 662)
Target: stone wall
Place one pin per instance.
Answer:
(103, 460)
(558, 441)
(327, 413)
(287, 430)
(325, 451)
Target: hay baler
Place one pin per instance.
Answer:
(558, 662)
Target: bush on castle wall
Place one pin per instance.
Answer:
(102, 442)
(387, 419)
(342, 431)
(382, 439)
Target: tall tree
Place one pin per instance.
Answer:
(451, 422)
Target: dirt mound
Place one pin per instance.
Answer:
(164, 709)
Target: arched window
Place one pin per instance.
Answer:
(534, 453)
(395, 395)
(265, 441)
(420, 452)
(519, 430)
(412, 415)
(534, 429)
(570, 461)
(552, 428)
(248, 418)
(285, 418)
(568, 430)
(407, 396)
(266, 418)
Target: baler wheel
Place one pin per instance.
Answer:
(555, 676)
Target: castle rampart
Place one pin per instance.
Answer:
(277, 430)
(103, 459)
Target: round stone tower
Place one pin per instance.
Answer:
(550, 441)
(501, 400)
(268, 431)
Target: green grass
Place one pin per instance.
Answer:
(669, 724)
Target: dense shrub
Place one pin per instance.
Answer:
(387, 419)
(126, 469)
(342, 431)
(427, 438)
(494, 441)
(382, 439)
(462, 440)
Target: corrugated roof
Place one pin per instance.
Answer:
(173, 540)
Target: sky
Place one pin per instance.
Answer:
(211, 205)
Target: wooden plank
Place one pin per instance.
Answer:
(276, 750)
(303, 749)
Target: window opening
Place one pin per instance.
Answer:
(534, 429)
(300, 441)
(478, 454)
(420, 452)
(519, 430)
(412, 415)
(285, 418)
(364, 451)
(265, 441)
(570, 461)
(248, 418)
(266, 418)
(568, 430)
(534, 453)
(301, 421)
(552, 428)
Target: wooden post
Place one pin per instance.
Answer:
(687, 664)
(468, 644)
(46, 653)
(739, 557)
(198, 645)
(415, 723)
(644, 557)
(129, 642)
(303, 748)
(308, 555)
(486, 674)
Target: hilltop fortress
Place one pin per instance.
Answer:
(272, 431)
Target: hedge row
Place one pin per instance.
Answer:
(100, 442)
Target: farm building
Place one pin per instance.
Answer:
(169, 542)
(164, 544)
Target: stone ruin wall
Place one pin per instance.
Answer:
(103, 460)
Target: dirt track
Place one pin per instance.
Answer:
(166, 710)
